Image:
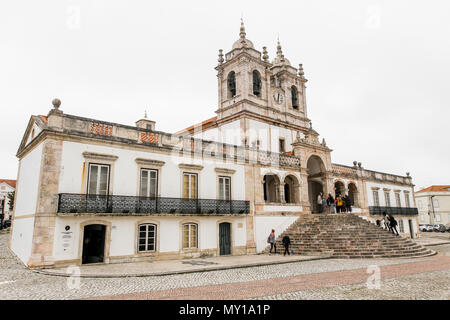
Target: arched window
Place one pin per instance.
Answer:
(231, 84)
(294, 94)
(190, 235)
(256, 83)
(146, 237)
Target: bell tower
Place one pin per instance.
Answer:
(242, 77)
(251, 86)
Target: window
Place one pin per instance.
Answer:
(190, 185)
(256, 83)
(438, 218)
(387, 199)
(420, 204)
(397, 200)
(436, 203)
(407, 204)
(190, 235)
(422, 218)
(98, 179)
(294, 95)
(231, 84)
(282, 148)
(147, 237)
(224, 188)
(400, 226)
(376, 199)
(149, 183)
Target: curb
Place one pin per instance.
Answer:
(168, 273)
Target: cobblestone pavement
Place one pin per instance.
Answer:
(17, 282)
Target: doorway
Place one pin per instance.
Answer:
(94, 243)
(411, 228)
(225, 238)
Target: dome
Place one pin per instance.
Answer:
(242, 42)
(280, 60)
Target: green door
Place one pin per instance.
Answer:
(225, 238)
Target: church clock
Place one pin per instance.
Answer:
(278, 97)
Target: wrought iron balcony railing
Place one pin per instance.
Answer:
(394, 211)
(128, 205)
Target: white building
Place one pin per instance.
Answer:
(108, 192)
(6, 187)
(434, 205)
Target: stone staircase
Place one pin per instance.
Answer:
(347, 236)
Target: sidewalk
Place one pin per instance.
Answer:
(433, 239)
(170, 267)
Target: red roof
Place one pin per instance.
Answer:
(44, 118)
(435, 189)
(201, 125)
(12, 183)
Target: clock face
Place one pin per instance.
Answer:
(278, 96)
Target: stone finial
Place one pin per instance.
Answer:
(407, 174)
(56, 103)
(324, 144)
(360, 164)
(279, 51)
(265, 55)
(355, 163)
(221, 60)
(242, 33)
(145, 114)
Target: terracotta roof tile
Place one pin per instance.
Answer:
(44, 118)
(12, 183)
(201, 124)
(435, 188)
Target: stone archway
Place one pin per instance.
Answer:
(353, 194)
(316, 180)
(271, 188)
(339, 189)
(291, 189)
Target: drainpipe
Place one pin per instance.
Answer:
(432, 213)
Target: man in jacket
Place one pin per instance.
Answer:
(286, 242)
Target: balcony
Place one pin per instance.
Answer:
(128, 205)
(394, 211)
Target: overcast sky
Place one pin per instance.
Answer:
(378, 71)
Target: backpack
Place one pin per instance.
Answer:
(268, 239)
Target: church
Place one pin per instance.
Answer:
(91, 191)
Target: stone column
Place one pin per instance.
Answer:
(281, 192)
(304, 194)
(252, 193)
(47, 203)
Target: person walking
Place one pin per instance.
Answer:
(386, 222)
(286, 243)
(271, 240)
(331, 204)
(393, 224)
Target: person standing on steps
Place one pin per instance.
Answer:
(331, 204)
(324, 205)
(286, 242)
(319, 203)
(271, 240)
(339, 203)
(393, 224)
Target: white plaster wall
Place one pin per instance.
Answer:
(264, 226)
(22, 236)
(126, 173)
(28, 183)
(124, 233)
(392, 187)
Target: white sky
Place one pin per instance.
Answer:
(378, 88)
